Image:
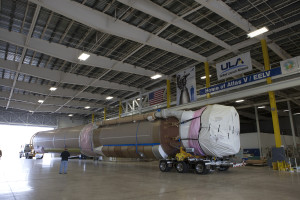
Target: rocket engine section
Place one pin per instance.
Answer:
(211, 131)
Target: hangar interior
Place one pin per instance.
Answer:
(43, 83)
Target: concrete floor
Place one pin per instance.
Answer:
(39, 180)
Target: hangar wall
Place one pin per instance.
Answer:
(64, 122)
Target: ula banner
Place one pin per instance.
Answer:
(234, 66)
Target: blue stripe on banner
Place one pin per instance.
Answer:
(118, 145)
(241, 81)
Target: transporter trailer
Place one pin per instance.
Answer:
(183, 162)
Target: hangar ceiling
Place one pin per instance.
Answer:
(129, 41)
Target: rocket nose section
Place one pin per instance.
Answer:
(221, 135)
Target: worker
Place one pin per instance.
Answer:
(64, 161)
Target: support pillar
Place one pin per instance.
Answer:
(292, 124)
(120, 109)
(271, 96)
(105, 110)
(258, 132)
(206, 66)
(168, 93)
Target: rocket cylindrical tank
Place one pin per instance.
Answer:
(211, 131)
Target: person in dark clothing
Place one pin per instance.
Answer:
(64, 161)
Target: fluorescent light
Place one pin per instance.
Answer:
(109, 97)
(87, 107)
(83, 56)
(258, 32)
(70, 115)
(53, 89)
(41, 101)
(156, 76)
(261, 107)
(296, 113)
(285, 110)
(31, 111)
(204, 77)
(241, 100)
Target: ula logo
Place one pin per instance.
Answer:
(239, 63)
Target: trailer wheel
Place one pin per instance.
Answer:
(163, 166)
(200, 168)
(182, 167)
(223, 168)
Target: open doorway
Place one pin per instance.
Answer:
(13, 136)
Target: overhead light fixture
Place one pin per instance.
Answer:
(261, 106)
(239, 101)
(204, 77)
(285, 110)
(109, 98)
(70, 115)
(258, 32)
(296, 113)
(31, 111)
(156, 76)
(87, 107)
(41, 101)
(84, 56)
(53, 89)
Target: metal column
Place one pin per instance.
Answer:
(120, 108)
(105, 110)
(206, 66)
(168, 93)
(258, 131)
(292, 124)
(271, 96)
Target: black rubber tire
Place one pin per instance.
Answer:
(182, 167)
(222, 169)
(163, 166)
(200, 168)
(26, 156)
(30, 157)
(20, 155)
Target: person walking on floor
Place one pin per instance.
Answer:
(64, 161)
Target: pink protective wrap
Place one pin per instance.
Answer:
(194, 132)
(86, 140)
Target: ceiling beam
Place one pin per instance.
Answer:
(282, 94)
(48, 108)
(249, 42)
(62, 77)
(169, 17)
(26, 41)
(71, 54)
(56, 101)
(44, 90)
(159, 12)
(105, 23)
(251, 115)
(223, 10)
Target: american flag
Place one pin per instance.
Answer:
(156, 97)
